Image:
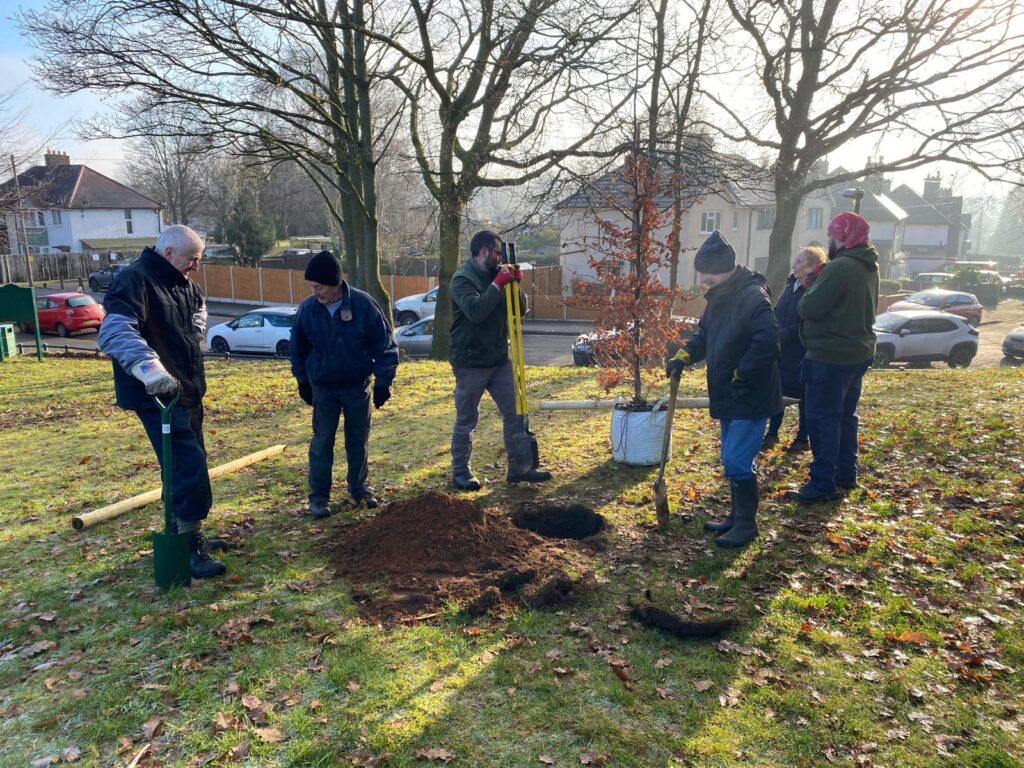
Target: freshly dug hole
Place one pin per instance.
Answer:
(556, 522)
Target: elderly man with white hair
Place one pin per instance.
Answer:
(156, 318)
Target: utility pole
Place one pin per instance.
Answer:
(17, 216)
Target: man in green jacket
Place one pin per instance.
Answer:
(478, 352)
(836, 318)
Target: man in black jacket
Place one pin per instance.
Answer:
(156, 317)
(478, 352)
(340, 339)
(738, 336)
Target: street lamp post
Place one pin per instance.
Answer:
(856, 194)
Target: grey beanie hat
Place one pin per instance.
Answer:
(324, 268)
(715, 256)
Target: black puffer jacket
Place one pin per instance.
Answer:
(738, 333)
(162, 302)
(791, 349)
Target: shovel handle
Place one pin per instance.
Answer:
(667, 438)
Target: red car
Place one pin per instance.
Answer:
(955, 302)
(65, 313)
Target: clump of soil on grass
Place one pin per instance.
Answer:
(434, 549)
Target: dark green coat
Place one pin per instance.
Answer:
(479, 332)
(837, 312)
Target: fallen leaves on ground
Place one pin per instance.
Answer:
(434, 753)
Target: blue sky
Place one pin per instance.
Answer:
(49, 115)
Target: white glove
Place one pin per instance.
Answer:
(155, 377)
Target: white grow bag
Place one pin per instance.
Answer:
(637, 435)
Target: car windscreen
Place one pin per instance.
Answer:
(888, 323)
(925, 298)
(81, 301)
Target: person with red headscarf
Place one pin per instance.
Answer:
(836, 317)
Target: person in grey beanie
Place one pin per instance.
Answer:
(738, 337)
(340, 339)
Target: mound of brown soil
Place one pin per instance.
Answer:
(434, 548)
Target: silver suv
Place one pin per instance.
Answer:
(924, 336)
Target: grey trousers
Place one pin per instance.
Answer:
(470, 385)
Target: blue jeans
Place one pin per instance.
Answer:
(329, 405)
(832, 394)
(191, 496)
(741, 442)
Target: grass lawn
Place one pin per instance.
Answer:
(883, 630)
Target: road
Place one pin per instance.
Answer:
(539, 349)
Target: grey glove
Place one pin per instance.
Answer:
(155, 378)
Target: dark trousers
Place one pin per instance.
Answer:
(470, 385)
(191, 496)
(329, 405)
(801, 426)
(831, 394)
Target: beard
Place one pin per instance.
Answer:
(833, 249)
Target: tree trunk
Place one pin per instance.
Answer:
(780, 242)
(449, 228)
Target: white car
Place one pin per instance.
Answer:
(265, 330)
(416, 307)
(924, 336)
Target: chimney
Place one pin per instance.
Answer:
(933, 188)
(54, 158)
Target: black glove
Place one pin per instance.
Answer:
(380, 396)
(306, 392)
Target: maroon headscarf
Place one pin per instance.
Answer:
(849, 229)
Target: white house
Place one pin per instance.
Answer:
(72, 208)
(739, 203)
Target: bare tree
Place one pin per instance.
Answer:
(494, 81)
(170, 168)
(271, 79)
(940, 76)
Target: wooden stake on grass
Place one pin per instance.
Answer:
(90, 519)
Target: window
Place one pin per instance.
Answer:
(431, 295)
(940, 325)
(814, 218)
(916, 326)
(81, 301)
(765, 218)
(735, 220)
(281, 321)
(39, 219)
(55, 218)
(128, 221)
(250, 321)
(710, 221)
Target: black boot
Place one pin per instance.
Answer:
(203, 566)
(723, 525)
(529, 476)
(366, 500)
(744, 530)
(466, 483)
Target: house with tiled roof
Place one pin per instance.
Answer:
(65, 207)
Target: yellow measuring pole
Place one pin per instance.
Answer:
(512, 314)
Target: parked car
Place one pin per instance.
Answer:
(67, 313)
(955, 302)
(924, 336)
(1013, 344)
(101, 279)
(416, 339)
(261, 330)
(289, 252)
(220, 251)
(416, 307)
(587, 346)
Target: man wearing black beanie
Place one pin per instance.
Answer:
(738, 336)
(340, 338)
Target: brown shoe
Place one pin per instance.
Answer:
(799, 446)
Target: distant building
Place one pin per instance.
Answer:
(72, 208)
(937, 229)
(886, 218)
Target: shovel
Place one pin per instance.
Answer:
(523, 451)
(171, 566)
(660, 493)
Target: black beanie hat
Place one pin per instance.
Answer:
(715, 256)
(324, 268)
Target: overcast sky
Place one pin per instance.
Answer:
(52, 117)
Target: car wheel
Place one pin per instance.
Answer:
(1010, 362)
(883, 357)
(960, 357)
(974, 320)
(62, 331)
(93, 285)
(282, 348)
(220, 346)
(407, 318)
